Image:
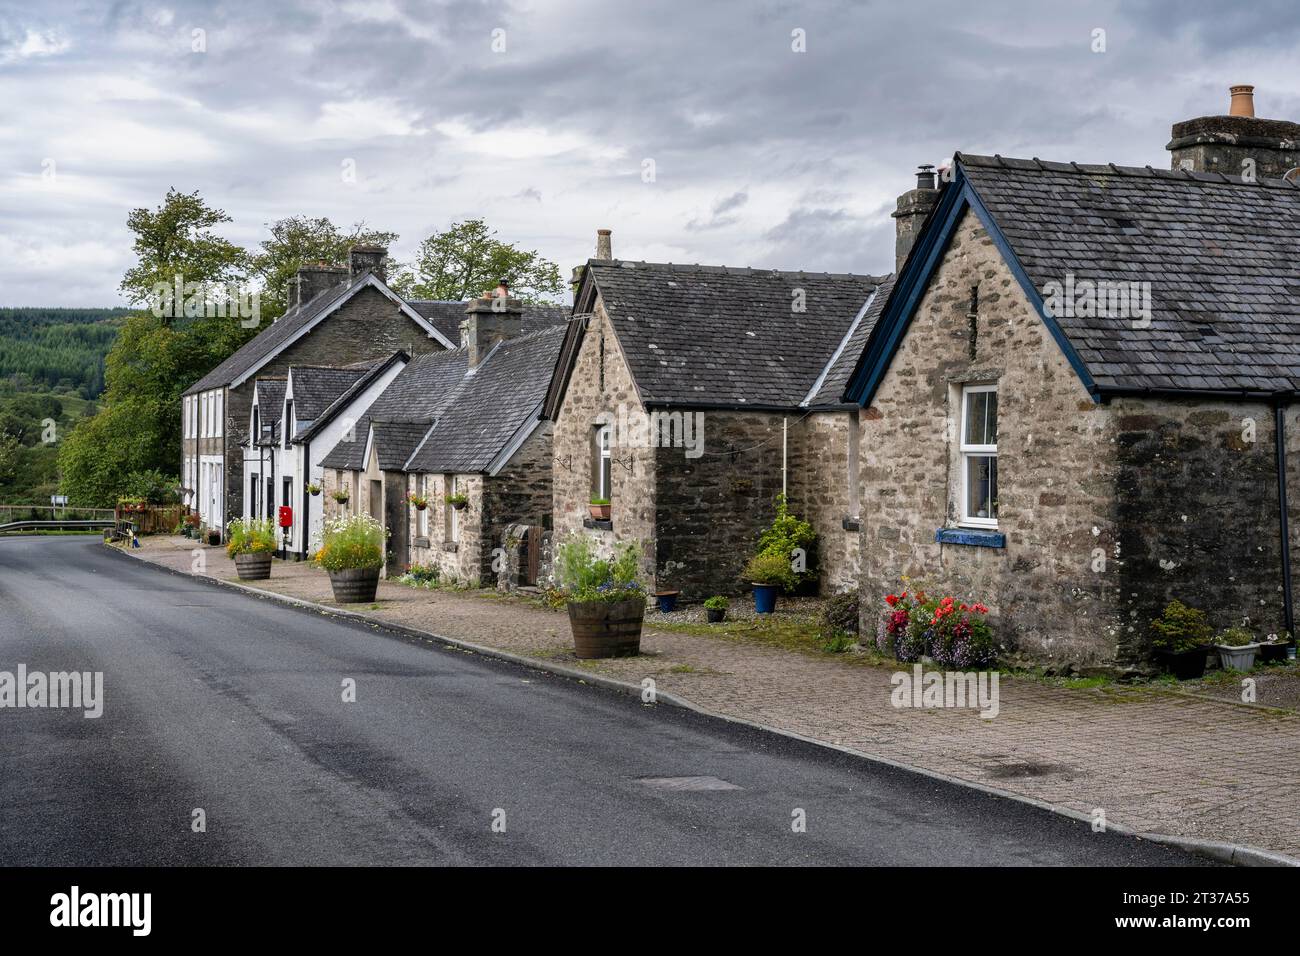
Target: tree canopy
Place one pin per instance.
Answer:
(467, 259)
(298, 240)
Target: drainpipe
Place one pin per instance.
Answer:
(1279, 430)
(785, 432)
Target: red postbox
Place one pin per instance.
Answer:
(286, 516)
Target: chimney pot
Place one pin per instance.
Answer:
(925, 177)
(1243, 100)
(604, 245)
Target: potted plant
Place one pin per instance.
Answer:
(457, 501)
(715, 609)
(313, 489)
(352, 551)
(419, 502)
(214, 537)
(1236, 647)
(769, 573)
(1274, 648)
(606, 604)
(667, 601)
(599, 509)
(340, 495)
(251, 542)
(1180, 638)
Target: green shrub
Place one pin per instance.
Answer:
(351, 542)
(1180, 628)
(585, 577)
(717, 603)
(771, 568)
(841, 612)
(252, 536)
(787, 534)
(1235, 637)
(421, 575)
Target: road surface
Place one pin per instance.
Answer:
(220, 702)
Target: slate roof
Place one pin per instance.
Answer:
(831, 390)
(270, 403)
(315, 388)
(499, 401)
(446, 316)
(1220, 255)
(394, 442)
(270, 340)
(713, 335)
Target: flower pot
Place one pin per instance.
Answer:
(765, 598)
(607, 629)
(1273, 653)
(315, 494)
(1184, 665)
(1237, 658)
(599, 512)
(355, 585)
(214, 538)
(667, 601)
(715, 616)
(421, 507)
(253, 567)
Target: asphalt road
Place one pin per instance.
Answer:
(234, 704)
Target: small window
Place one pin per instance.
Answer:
(602, 486)
(979, 456)
(451, 486)
(422, 519)
(286, 426)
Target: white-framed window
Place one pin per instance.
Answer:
(603, 484)
(185, 417)
(979, 456)
(218, 414)
(422, 517)
(451, 485)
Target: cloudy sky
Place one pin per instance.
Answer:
(546, 117)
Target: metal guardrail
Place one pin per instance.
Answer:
(92, 524)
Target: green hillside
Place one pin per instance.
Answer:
(43, 348)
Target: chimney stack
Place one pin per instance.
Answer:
(488, 321)
(604, 245)
(362, 259)
(1238, 144)
(312, 280)
(913, 207)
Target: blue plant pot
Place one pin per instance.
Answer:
(667, 601)
(765, 598)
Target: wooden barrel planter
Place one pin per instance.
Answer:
(355, 585)
(253, 567)
(607, 629)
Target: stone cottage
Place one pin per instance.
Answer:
(1078, 402)
(691, 397)
(338, 317)
(459, 423)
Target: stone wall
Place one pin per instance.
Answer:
(1109, 510)
(1056, 467)
(710, 510)
(367, 326)
(519, 494)
(823, 492)
(460, 561)
(591, 392)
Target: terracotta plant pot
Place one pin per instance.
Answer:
(253, 567)
(355, 585)
(599, 512)
(607, 629)
(1184, 665)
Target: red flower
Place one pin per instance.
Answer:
(891, 599)
(981, 609)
